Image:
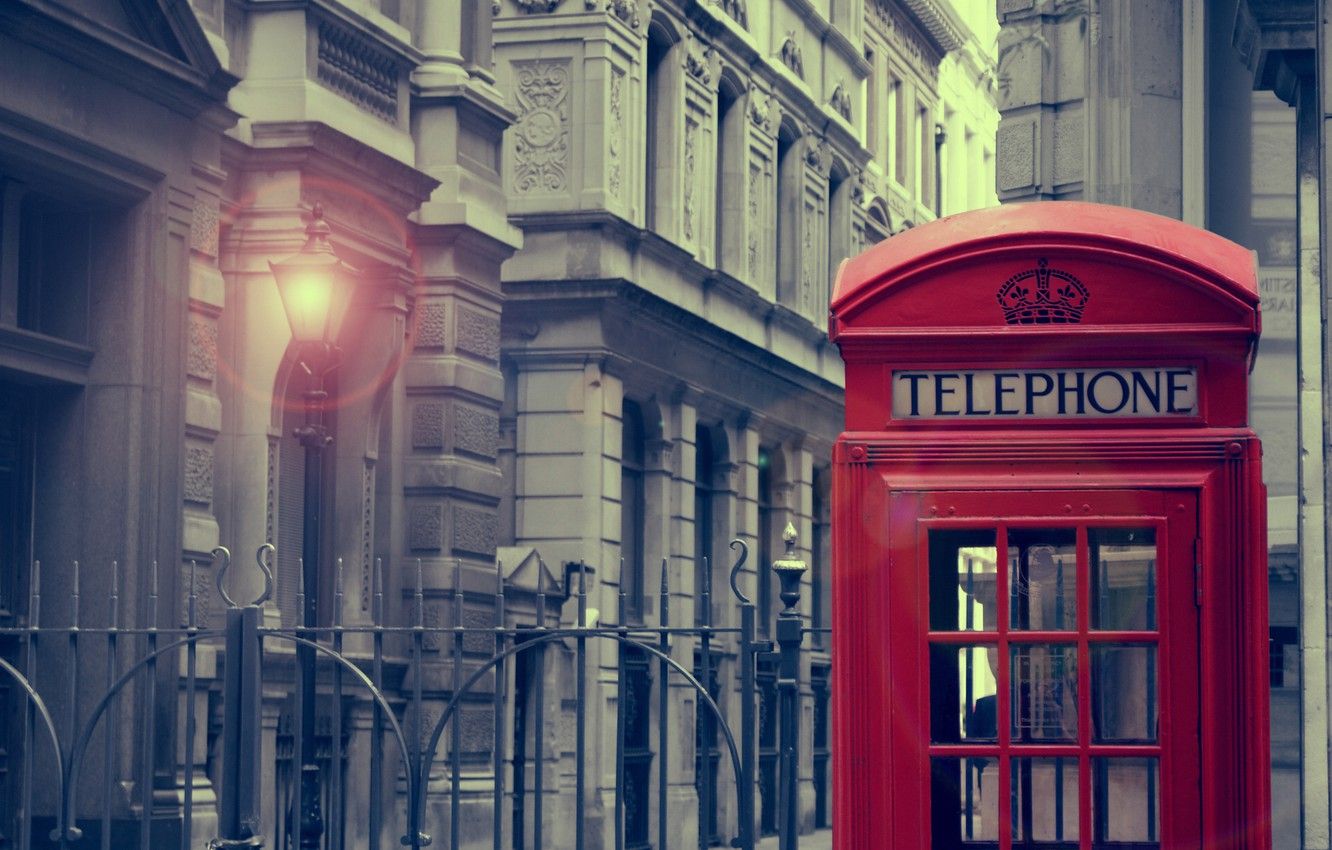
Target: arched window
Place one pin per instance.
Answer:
(633, 455)
(659, 115)
(729, 254)
(705, 471)
(839, 226)
(767, 536)
(820, 563)
(789, 169)
(877, 227)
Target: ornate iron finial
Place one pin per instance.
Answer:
(789, 569)
(789, 561)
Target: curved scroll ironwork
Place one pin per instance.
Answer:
(63, 829)
(428, 756)
(735, 570)
(66, 817)
(259, 558)
(49, 724)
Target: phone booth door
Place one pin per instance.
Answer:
(1058, 667)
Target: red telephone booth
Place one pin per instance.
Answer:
(1049, 564)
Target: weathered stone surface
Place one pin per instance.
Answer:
(473, 531)
(478, 334)
(1069, 143)
(428, 425)
(199, 474)
(1016, 155)
(425, 527)
(432, 326)
(475, 431)
(202, 356)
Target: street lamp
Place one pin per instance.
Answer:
(316, 289)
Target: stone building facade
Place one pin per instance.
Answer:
(688, 177)
(595, 241)
(1206, 111)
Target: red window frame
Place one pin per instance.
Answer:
(1174, 516)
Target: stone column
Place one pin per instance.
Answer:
(203, 423)
(1091, 103)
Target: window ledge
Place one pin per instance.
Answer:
(39, 358)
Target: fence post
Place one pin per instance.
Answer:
(238, 821)
(790, 634)
(749, 649)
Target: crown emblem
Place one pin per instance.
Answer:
(1042, 296)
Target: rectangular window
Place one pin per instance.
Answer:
(897, 135)
(872, 128)
(632, 511)
(765, 533)
(924, 158)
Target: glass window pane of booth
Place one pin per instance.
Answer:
(1044, 699)
(962, 580)
(1123, 576)
(1042, 579)
(1126, 803)
(1124, 693)
(969, 672)
(1044, 802)
(964, 802)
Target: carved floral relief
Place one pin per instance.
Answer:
(541, 147)
(615, 164)
(753, 220)
(691, 133)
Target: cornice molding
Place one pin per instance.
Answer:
(299, 143)
(1277, 40)
(193, 86)
(939, 22)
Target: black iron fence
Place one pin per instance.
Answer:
(87, 708)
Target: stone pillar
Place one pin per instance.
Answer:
(1042, 77)
(1091, 103)
(566, 498)
(203, 423)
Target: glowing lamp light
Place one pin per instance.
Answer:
(316, 287)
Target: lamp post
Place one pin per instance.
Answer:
(316, 289)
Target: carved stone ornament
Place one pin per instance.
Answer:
(691, 134)
(625, 10)
(792, 56)
(358, 69)
(760, 111)
(541, 146)
(860, 188)
(737, 10)
(818, 155)
(537, 6)
(615, 160)
(754, 175)
(841, 101)
(698, 64)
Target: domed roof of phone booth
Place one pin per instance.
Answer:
(1094, 230)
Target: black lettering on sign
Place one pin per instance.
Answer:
(1046, 393)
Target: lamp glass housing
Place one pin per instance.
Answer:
(316, 287)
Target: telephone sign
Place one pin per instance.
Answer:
(1045, 393)
(1049, 564)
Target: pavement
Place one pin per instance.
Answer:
(817, 840)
